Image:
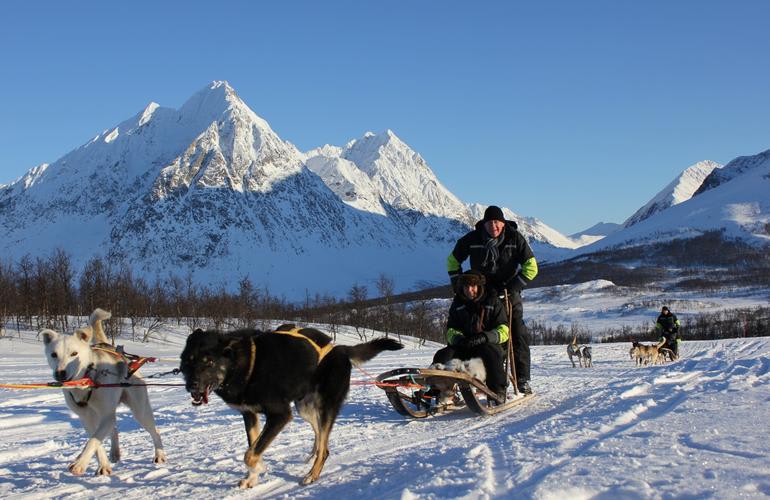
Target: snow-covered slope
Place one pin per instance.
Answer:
(690, 429)
(738, 206)
(680, 189)
(594, 233)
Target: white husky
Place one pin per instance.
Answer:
(71, 358)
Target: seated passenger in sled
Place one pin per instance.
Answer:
(477, 328)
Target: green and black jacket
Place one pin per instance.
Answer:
(516, 264)
(468, 317)
(666, 323)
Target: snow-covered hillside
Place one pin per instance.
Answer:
(737, 204)
(677, 191)
(686, 429)
(594, 233)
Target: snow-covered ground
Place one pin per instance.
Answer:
(691, 429)
(599, 305)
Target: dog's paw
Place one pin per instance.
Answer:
(310, 478)
(248, 483)
(114, 455)
(160, 457)
(104, 470)
(76, 468)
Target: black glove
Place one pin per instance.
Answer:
(492, 336)
(476, 340)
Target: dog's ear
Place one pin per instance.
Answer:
(48, 336)
(198, 331)
(84, 333)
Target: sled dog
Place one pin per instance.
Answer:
(645, 354)
(263, 372)
(473, 367)
(71, 357)
(587, 359)
(573, 350)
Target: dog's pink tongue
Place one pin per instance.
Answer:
(205, 399)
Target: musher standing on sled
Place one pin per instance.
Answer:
(667, 326)
(502, 254)
(477, 326)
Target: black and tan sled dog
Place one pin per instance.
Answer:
(264, 372)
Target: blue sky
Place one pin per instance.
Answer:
(571, 112)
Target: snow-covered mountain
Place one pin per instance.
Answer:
(210, 190)
(680, 189)
(737, 205)
(380, 170)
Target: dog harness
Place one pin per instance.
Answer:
(133, 361)
(322, 351)
(84, 402)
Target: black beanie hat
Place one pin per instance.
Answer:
(493, 213)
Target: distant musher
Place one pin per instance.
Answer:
(667, 327)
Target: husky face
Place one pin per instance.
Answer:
(68, 355)
(204, 364)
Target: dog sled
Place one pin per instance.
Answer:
(412, 392)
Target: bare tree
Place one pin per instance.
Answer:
(358, 313)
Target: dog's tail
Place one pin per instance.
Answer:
(362, 353)
(95, 322)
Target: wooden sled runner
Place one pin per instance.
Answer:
(409, 392)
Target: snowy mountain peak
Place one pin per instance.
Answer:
(381, 168)
(148, 113)
(733, 169)
(681, 189)
(218, 101)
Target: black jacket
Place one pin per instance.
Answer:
(467, 318)
(514, 251)
(667, 322)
